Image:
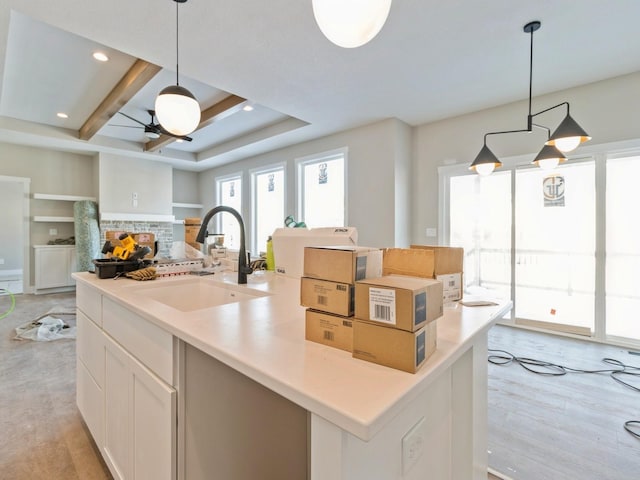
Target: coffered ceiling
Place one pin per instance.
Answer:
(432, 60)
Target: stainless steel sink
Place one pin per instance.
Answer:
(197, 294)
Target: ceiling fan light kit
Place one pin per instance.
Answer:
(565, 138)
(176, 107)
(350, 23)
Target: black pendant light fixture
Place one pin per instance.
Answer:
(177, 109)
(565, 138)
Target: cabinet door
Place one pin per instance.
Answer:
(154, 427)
(140, 419)
(52, 267)
(117, 409)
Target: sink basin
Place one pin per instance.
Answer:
(197, 294)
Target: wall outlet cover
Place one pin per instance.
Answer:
(413, 445)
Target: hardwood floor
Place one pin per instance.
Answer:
(561, 428)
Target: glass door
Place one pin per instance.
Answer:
(555, 232)
(623, 248)
(480, 222)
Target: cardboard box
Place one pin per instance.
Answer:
(429, 261)
(445, 259)
(327, 296)
(406, 261)
(394, 348)
(398, 301)
(145, 239)
(451, 286)
(332, 330)
(289, 243)
(345, 264)
(191, 229)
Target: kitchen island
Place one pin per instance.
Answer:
(216, 380)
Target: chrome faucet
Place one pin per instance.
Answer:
(243, 257)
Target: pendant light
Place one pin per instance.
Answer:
(176, 108)
(350, 23)
(565, 138)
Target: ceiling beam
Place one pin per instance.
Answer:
(136, 77)
(216, 112)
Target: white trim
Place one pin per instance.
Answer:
(26, 228)
(132, 217)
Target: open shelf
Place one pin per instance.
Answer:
(66, 198)
(187, 205)
(52, 219)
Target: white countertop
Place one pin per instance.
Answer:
(263, 338)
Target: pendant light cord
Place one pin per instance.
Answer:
(177, 49)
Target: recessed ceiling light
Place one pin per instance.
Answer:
(101, 57)
(62, 115)
(247, 108)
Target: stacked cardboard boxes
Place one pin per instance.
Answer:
(429, 261)
(327, 288)
(395, 320)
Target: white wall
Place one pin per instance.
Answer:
(51, 172)
(609, 111)
(378, 157)
(121, 177)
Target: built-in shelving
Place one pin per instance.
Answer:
(41, 218)
(66, 198)
(187, 205)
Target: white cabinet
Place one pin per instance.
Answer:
(129, 406)
(54, 265)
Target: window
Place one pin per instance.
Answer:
(230, 195)
(268, 200)
(321, 190)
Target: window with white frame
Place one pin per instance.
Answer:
(321, 189)
(268, 201)
(229, 193)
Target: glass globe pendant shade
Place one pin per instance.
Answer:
(350, 23)
(177, 110)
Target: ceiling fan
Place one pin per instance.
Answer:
(152, 129)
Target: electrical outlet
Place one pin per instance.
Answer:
(1, 261)
(431, 232)
(53, 231)
(413, 445)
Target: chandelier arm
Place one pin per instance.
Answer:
(505, 131)
(544, 128)
(551, 108)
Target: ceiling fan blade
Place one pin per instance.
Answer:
(134, 119)
(125, 126)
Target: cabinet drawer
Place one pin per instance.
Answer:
(147, 342)
(89, 300)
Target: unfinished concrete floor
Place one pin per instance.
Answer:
(42, 432)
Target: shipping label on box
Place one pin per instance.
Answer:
(451, 286)
(398, 301)
(327, 296)
(345, 264)
(332, 330)
(394, 348)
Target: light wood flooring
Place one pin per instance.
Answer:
(561, 428)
